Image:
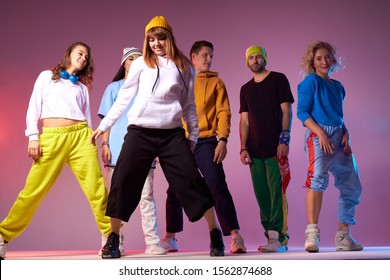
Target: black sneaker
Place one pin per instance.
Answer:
(216, 245)
(111, 249)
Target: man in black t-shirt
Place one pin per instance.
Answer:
(265, 123)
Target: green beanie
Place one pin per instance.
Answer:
(256, 49)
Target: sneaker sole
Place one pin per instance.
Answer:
(280, 250)
(217, 253)
(312, 249)
(340, 249)
(238, 251)
(122, 253)
(155, 252)
(110, 257)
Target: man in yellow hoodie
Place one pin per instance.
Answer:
(213, 110)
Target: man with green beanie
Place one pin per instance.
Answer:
(265, 123)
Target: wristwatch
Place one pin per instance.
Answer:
(223, 139)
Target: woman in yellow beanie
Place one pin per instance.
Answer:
(161, 87)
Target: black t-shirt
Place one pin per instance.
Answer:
(262, 102)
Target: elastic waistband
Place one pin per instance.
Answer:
(330, 126)
(65, 129)
(330, 129)
(155, 130)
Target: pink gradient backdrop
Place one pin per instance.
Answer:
(35, 34)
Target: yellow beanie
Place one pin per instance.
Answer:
(158, 21)
(256, 49)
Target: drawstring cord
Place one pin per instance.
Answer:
(158, 76)
(181, 76)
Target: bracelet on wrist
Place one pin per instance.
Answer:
(243, 149)
(223, 139)
(105, 143)
(284, 137)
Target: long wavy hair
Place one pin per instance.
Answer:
(85, 75)
(307, 62)
(171, 50)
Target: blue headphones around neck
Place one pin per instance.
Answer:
(71, 77)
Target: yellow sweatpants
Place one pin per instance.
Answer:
(61, 145)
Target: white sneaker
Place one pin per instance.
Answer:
(273, 245)
(345, 242)
(312, 243)
(3, 247)
(121, 247)
(155, 249)
(237, 244)
(169, 244)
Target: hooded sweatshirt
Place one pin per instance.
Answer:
(212, 105)
(163, 97)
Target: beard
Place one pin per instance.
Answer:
(257, 68)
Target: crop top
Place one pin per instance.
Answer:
(56, 99)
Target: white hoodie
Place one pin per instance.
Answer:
(161, 98)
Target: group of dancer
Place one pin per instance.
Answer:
(163, 108)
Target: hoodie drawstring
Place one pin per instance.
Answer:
(181, 76)
(158, 76)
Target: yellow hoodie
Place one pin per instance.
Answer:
(212, 105)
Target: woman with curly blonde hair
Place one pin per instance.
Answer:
(327, 144)
(308, 58)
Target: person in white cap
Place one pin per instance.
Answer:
(112, 141)
(162, 86)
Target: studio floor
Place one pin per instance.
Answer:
(369, 253)
(372, 262)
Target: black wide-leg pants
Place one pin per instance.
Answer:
(141, 146)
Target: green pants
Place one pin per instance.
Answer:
(64, 145)
(272, 200)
